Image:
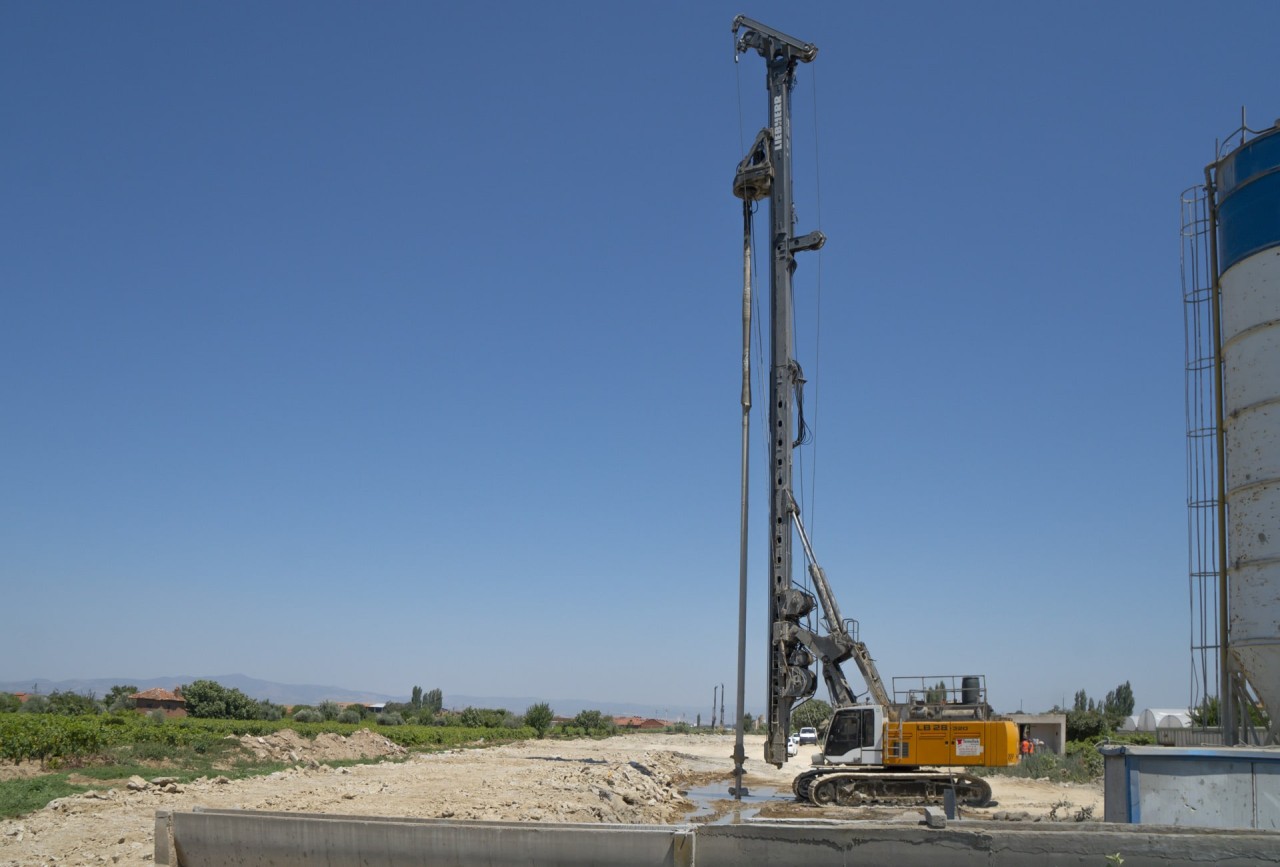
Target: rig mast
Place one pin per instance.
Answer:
(766, 171)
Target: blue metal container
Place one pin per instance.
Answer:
(1197, 787)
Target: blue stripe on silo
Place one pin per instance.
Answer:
(1249, 219)
(1251, 159)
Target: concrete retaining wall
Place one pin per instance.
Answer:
(972, 843)
(215, 838)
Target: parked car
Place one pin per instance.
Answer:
(808, 735)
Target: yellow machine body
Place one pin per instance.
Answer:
(951, 743)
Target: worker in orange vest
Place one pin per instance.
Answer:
(1027, 748)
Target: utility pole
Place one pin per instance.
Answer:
(722, 705)
(713, 708)
(767, 171)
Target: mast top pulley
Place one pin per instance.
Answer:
(772, 44)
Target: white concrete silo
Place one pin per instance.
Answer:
(1247, 184)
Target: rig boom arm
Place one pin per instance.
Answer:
(842, 637)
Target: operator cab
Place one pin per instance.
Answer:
(854, 737)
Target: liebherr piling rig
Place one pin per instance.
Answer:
(902, 747)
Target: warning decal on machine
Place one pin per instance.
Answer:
(968, 746)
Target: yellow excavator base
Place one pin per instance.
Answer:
(951, 743)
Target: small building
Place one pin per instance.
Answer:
(1047, 730)
(158, 698)
(636, 723)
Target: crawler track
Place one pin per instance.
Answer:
(837, 786)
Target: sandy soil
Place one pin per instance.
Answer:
(630, 779)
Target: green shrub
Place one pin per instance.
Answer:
(1083, 725)
(268, 711)
(391, 718)
(73, 704)
(349, 716)
(482, 717)
(1083, 761)
(814, 712)
(593, 723)
(117, 698)
(538, 717)
(208, 699)
(308, 715)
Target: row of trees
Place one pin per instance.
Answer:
(70, 703)
(1089, 720)
(208, 699)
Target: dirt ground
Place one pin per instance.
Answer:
(628, 779)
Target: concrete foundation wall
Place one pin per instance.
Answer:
(972, 843)
(245, 838)
(249, 839)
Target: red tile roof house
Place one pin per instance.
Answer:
(172, 703)
(635, 722)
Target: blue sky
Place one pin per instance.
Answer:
(394, 344)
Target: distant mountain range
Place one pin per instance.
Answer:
(280, 693)
(294, 693)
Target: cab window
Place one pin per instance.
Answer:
(850, 730)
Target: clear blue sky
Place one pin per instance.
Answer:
(394, 344)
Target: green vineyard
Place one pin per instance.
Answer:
(45, 738)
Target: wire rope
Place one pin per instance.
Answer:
(817, 364)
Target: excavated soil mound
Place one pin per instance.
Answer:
(287, 745)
